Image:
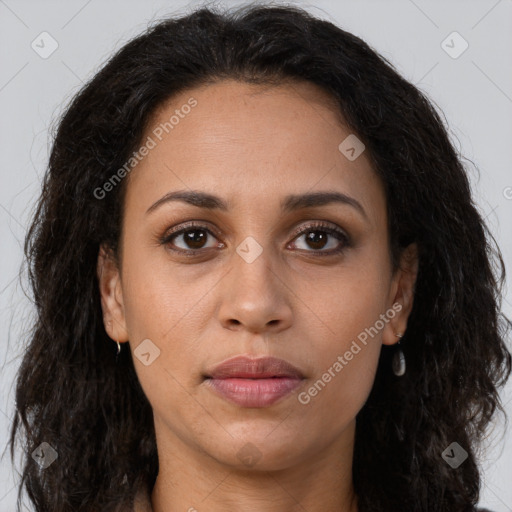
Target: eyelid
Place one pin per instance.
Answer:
(190, 225)
(319, 224)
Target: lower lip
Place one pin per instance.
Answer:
(254, 392)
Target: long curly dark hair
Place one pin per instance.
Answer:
(71, 393)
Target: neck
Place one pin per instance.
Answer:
(191, 481)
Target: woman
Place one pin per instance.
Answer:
(261, 283)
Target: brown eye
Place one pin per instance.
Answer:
(317, 239)
(194, 238)
(189, 239)
(322, 239)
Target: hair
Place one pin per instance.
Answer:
(71, 393)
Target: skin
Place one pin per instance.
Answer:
(290, 302)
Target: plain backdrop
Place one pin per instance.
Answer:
(472, 87)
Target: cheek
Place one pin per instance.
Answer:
(158, 297)
(345, 364)
(170, 308)
(347, 349)
(348, 299)
(163, 307)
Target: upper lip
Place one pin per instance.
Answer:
(245, 367)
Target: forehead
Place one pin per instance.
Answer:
(254, 143)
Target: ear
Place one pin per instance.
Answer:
(401, 295)
(111, 293)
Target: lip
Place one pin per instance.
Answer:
(250, 382)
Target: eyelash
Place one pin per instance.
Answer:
(311, 227)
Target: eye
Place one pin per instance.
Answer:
(192, 239)
(316, 235)
(189, 239)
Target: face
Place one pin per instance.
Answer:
(257, 272)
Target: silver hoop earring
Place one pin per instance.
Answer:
(398, 363)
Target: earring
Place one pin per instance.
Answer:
(398, 363)
(118, 351)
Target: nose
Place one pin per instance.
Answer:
(255, 296)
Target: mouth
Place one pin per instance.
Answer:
(255, 383)
(254, 392)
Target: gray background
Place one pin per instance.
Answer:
(474, 91)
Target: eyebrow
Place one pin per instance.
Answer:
(289, 204)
